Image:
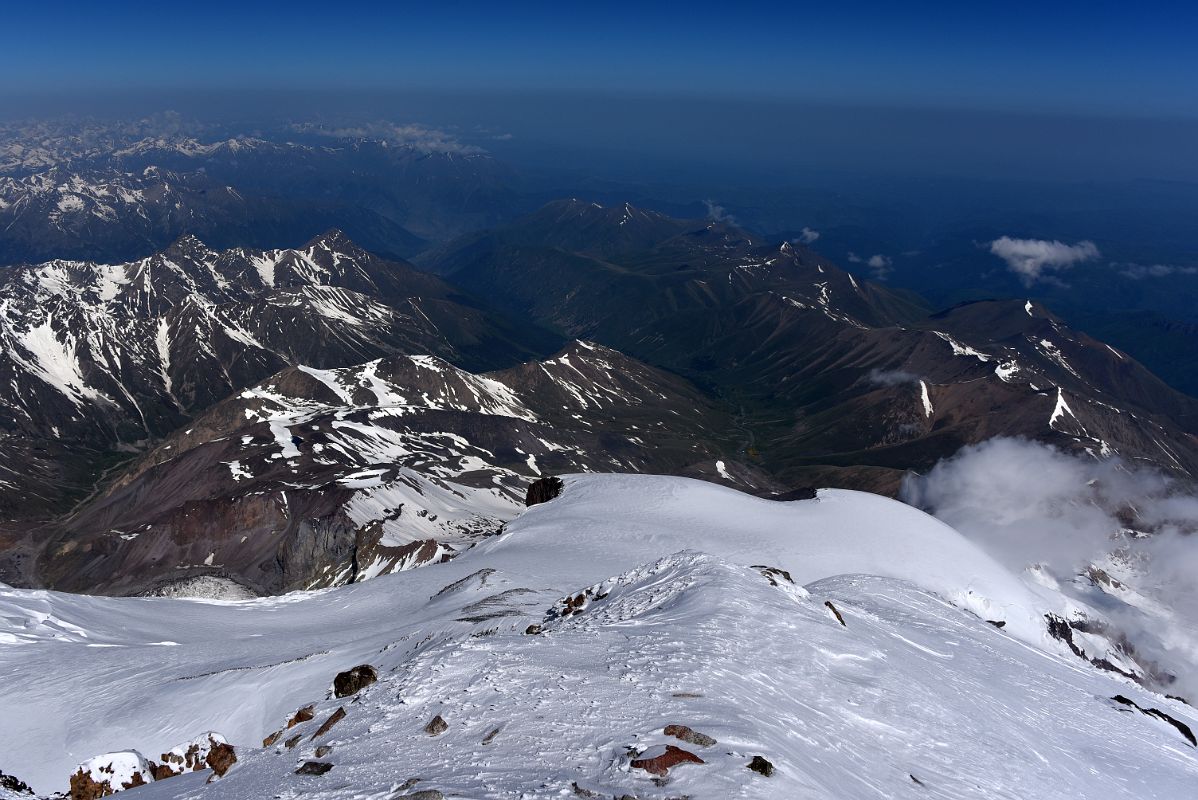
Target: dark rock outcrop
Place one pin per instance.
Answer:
(761, 766)
(543, 490)
(314, 768)
(354, 680)
(1182, 728)
(14, 785)
(436, 726)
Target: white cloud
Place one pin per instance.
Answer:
(891, 377)
(1141, 271)
(1030, 259)
(417, 137)
(807, 236)
(1028, 503)
(880, 265)
(717, 213)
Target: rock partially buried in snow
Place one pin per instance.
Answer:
(333, 719)
(689, 735)
(110, 773)
(207, 751)
(354, 680)
(314, 768)
(660, 759)
(436, 726)
(14, 785)
(761, 766)
(543, 490)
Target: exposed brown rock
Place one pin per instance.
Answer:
(543, 490)
(436, 726)
(274, 737)
(689, 735)
(293, 741)
(163, 771)
(221, 756)
(354, 680)
(490, 737)
(302, 715)
(425, 794)
(84, 787)
(333, 719)
(659, 763)
(323, 750)
(761, 766)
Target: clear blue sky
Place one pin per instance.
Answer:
(1137, 58)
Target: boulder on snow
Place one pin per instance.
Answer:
(658, 760)
(436, 726)
(314, 768)
(302, 715)
(543, 490)
(354, 680)
(110, 773)
(689, 735)
(761, 766)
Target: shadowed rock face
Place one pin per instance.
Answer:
(98, 359)
(839, 381)
(543, 490)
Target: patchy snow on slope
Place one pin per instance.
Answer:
(962, 349)
(927, 399)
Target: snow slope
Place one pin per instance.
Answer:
(911, 697)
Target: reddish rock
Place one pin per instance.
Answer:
(658, 761)
(269, 740)
(303, 715)
(221, 756)
(333, 719)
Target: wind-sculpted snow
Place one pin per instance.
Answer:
(559, 651)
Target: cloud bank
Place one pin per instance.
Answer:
(1028, 504)
(418, 137)
(1033, 259)
(1142, 271)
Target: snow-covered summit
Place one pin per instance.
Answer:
(557, 655)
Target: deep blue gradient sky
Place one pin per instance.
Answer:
(1099, 57)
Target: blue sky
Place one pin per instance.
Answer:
(1111, 58)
